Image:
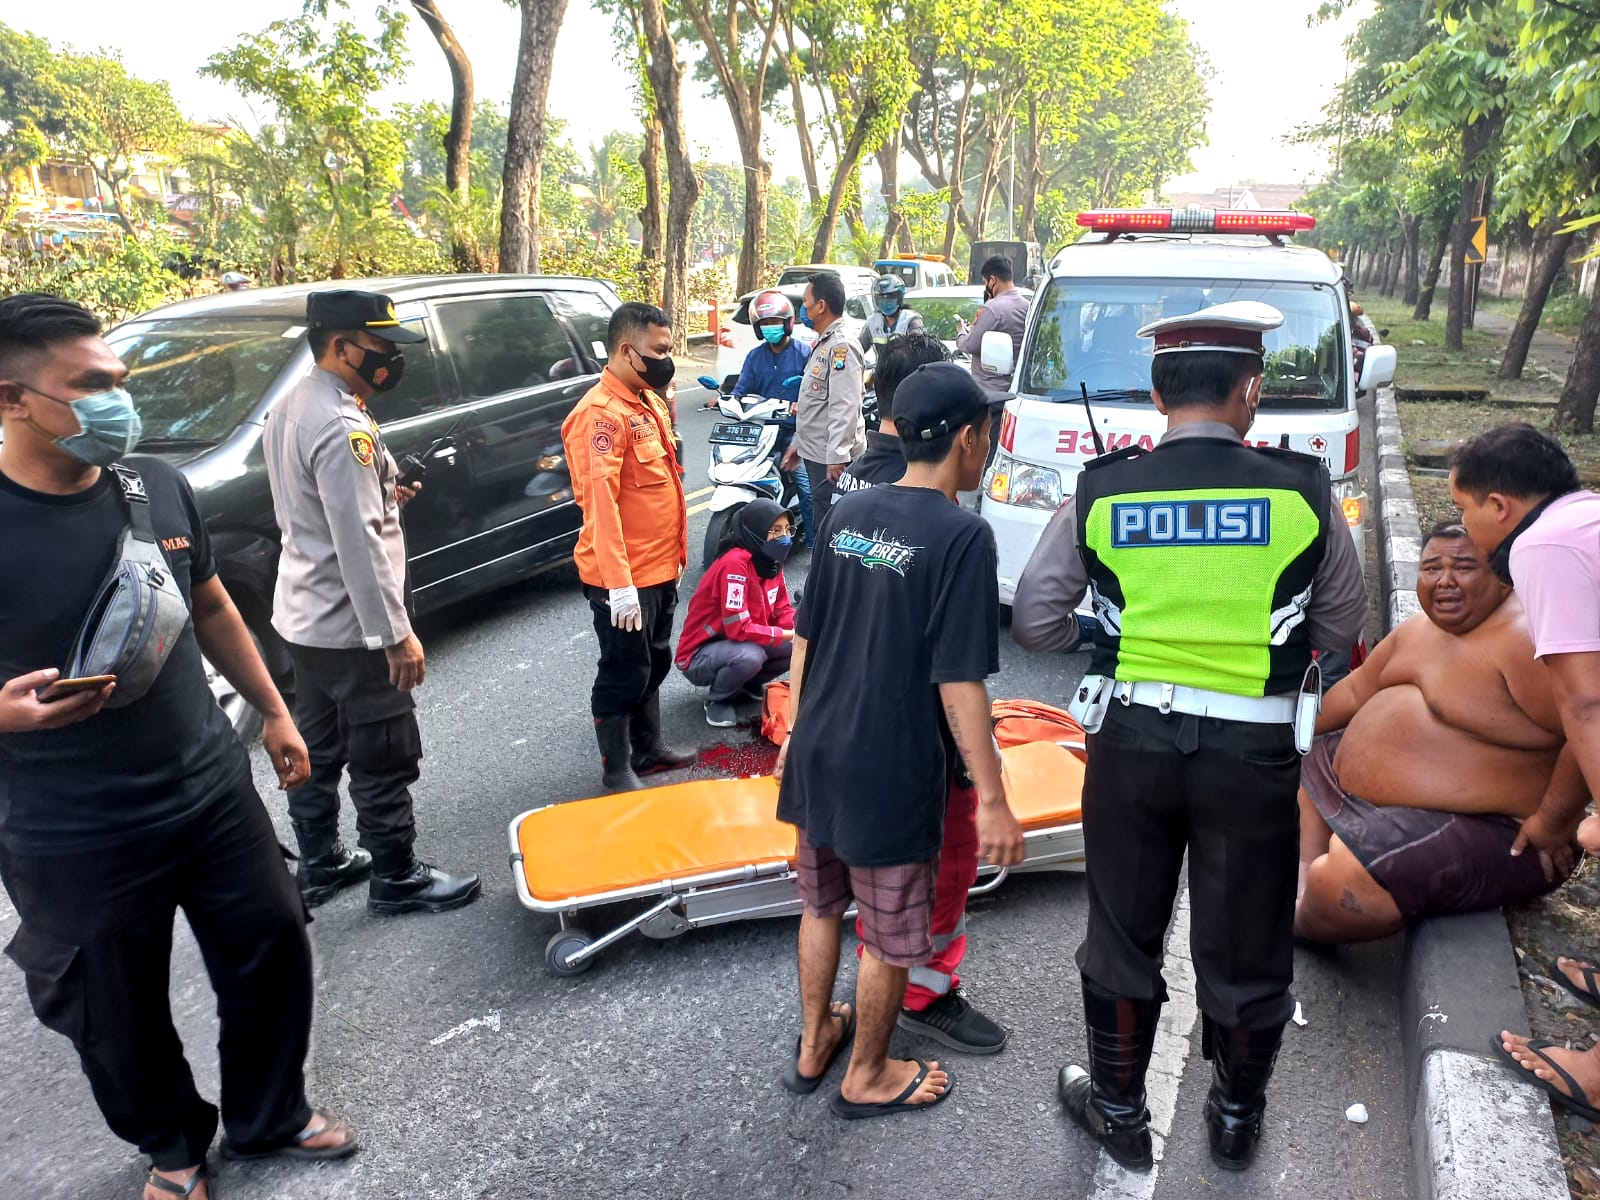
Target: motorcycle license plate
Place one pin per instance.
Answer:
(735, 433)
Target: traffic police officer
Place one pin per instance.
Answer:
(1215, 569)
(342, 602)
(634, 542)
(893, 317)
(830, 430)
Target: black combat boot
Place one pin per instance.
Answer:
(1241, 1061)
(617, 774)
(1108, 1099)
(650, 753)
(402, 883)
(325, 864)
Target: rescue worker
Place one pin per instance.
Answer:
(768, 368)
(634, 543)
(893, 318)
(342, 604)
(830, 429)
(1215, 570)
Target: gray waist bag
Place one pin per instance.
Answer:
(138, 612)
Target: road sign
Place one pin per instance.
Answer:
(1478, 248)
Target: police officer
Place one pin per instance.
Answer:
(1214, 569)
(893, 318)
(830, 430)
(342, 604)
(634, 543)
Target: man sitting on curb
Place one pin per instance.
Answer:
(1432, 754)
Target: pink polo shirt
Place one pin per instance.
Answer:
(1556, 564)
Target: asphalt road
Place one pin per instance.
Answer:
(471, 1072)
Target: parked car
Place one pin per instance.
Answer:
(918, 270)
(856, 279)
(506, 359)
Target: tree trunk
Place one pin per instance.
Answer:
(458, 138)
(958, 160)
(808, 150)
(653, 216)
(1413, 260)
(823, 246)
(1542, 274)
(666, 81)
(1575, 409)
(896, 231)
(1032, 175)
(753, 245)
(988, 182)
(1441, 247)
(120, 207)
(1352, 266)
(524, 171)
(1475, 138)
(1391, 276)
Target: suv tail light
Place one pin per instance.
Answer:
(1352, 450)
(1008, 430)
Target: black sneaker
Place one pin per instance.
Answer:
(952, 1020)
(721, 715)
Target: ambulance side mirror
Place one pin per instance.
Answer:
(1377, 368)
(996, 352)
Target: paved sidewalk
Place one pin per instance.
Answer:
(1550, 350)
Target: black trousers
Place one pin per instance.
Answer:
(95, 943)
(632, 664)
(1225, 792)
(351, 715)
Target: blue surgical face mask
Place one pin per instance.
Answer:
(805, 317)
(888, 307)
(777, 549)
(773, 334)
(109, 426)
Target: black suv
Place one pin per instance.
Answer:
(506, 359)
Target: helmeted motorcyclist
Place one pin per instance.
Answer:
(892, 318)
(773, 370)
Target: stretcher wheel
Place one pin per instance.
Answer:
(558, 952)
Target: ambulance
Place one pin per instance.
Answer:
(1083, 370)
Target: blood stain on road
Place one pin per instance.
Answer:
(738, 760)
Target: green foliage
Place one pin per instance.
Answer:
(35, 108)
(115, 276)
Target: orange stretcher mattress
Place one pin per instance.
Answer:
(632, 839)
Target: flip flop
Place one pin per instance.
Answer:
(294, 1147)
(1575, 1098)
(172, 1187)
(1590, 990)
(851, 1111)
(804, 1085)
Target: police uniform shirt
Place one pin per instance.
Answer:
(829, 425)
(1056, 578)
(342, 573)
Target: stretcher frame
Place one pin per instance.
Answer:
(756, 891)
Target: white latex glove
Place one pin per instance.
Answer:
(625, 611)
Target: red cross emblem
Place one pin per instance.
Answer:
(1318, 443)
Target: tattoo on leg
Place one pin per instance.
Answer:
(1349, 903)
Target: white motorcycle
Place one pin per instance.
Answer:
(744, 462)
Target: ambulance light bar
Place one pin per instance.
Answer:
(1196, 220)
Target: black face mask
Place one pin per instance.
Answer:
(988, 294)
(656, 372)
(381, 371)
(1500, 556)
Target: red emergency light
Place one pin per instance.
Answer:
(1271, 222)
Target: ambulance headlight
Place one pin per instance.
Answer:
(1022, 484)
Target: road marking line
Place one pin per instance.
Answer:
(1178, 1018)
(698, 508)
(702, 492)
(491, 1020)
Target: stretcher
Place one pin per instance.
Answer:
(711, 851)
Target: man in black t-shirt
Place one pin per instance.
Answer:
(935, 1004)
(114, 816)
(902, 595)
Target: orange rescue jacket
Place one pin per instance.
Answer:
(625, 478)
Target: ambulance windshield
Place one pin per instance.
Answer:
(1087, 336)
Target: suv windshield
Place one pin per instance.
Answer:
(195, 380)
(1087, 336)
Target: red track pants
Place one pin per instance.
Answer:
(958, 870)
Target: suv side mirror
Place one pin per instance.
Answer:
(997, 353)
(1377, 368)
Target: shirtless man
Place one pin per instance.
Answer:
(1431, 756)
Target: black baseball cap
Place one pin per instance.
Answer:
(936, 399)
(347, 309)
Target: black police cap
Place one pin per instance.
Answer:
(347, 309)
(936, 399)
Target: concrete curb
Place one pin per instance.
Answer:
(1476, 1131)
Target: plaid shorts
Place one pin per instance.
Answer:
(895, 904)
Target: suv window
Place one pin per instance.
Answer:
(589, 315)
(505, 344)
(1086, 335)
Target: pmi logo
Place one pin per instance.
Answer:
(1192, 523)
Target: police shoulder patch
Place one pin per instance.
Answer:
(841, 355)
(363, 447)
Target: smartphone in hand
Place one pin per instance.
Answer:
(62, 688)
